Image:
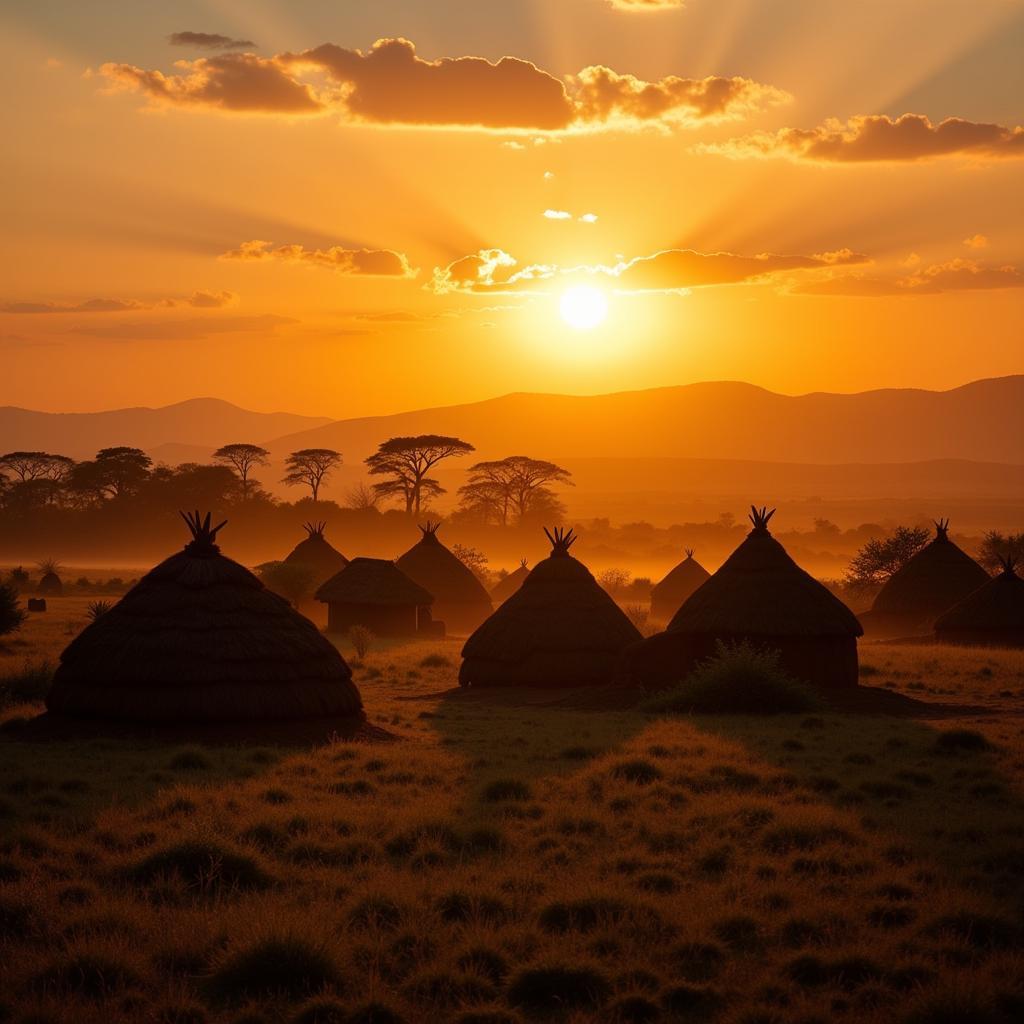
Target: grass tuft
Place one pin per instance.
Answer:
(203, 865)
(507, 789)
(558, 989)
(738, 679)
(643, 773)
(961, 741)
(287, 966)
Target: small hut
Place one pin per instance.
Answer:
(460, 600)
(762, 596)
(992, 616)
(939, 576)
(668, 595)
(559, 628)
(506, 587)
(199, 638)
(317, 554)
(375, 593)
(50, 583)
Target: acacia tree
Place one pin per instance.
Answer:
(242, 458)
(512, 486)
(406, 461)
(996, 546)
(114, 473)
(28, 466)
(310, 467)
(879, 559)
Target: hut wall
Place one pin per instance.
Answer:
(383, 620)
(460, 618)
(547, 669)
(828, 662)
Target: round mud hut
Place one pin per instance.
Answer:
(759, 595)
(50, 583)
(993, 616)
(199, 638)
(668, 595)
(460, 600)
(375, 593)
(559, 629)
(317, 554)
(506, 587)
(939, 576)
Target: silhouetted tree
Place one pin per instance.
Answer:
(406, 462)
(292, 581)
(474, 560)
(243, 458)
(310, 467)
(879, 559)
(27, 466)
(11, 613)
(996, 546)
(361, 498)
(114, 473)
(508, 487)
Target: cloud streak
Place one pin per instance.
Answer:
(209, 41)
(390, 84)
(362, 262)
(494, 271)
(197, 300)
(955, 275)
(878, 138)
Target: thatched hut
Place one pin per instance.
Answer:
(992, 616)
(460, 600)
(669, 593)
(762, 596)
(199, 638)
(560, 628)
(375, 593)
(317, 554)
(50, 583)
(939, 576)
(506, 587)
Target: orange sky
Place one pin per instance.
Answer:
(807, 196)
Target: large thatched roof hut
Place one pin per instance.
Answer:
(669, 593)
(460, 600)
(936, 578)
(993, 615)
(200, 638)
(506, 587)
(317, 554)
(762, 596)
(375, 593)
(559, 628)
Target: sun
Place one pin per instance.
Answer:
(583, 306)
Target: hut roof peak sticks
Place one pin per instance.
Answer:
(760, 517)
(204, 537)
(561, 540)
(315, 529)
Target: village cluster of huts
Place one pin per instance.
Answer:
(201, 637)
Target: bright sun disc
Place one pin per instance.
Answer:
(583, 306)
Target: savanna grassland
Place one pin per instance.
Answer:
(511, 858)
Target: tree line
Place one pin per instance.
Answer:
(516, 489)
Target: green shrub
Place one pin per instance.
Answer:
(739, 679)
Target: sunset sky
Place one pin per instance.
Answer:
(342, 208)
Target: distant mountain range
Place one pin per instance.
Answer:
(203, 422)
(697, 440)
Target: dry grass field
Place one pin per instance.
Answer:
(513, 858)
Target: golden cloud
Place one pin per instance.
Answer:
(494, 271)
(878, 138)
(364, 262)
(391, 84)
(209, 41)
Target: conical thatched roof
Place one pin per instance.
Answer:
(373, 581)
(761, 591)
(669, 593)
(506, 587)
(995, 611)
(317, 554)
(200, 638)
(453, 586)
(935, 579)
(560, 628)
